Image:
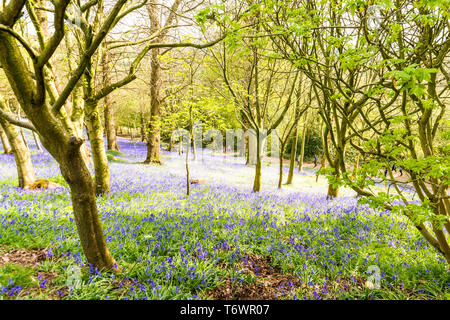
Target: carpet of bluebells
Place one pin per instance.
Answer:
(173, 246)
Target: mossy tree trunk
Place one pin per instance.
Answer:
(95, 134)
(47, 116)
(280, 176)
(77, 175)
(25, 171)
(153, 127)
(36, 141)
(294, 139)
(6, 147)
(108, 109)
(302, 147)
(258, 166)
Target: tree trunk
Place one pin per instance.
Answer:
(23, 138)
(57, 138)
(247, 150)
(77, 118)
(293, 155)
(357, 161)
(333, 191)
(6, 147)
(36, 141)
(243, 146)
(322, 165)
(25, 171)
(188, 184)
(110, 129)
(95, 133)
(154, 133)
(257, 181)
(280, 180)
(252, 149)
(111, 136)
(142, 126)
(89, 227)
(194, 150)
(302, 147)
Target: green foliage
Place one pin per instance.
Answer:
(412, 77)
(313, 146)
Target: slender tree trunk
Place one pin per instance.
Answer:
(170, 144)
(280, 180)
(95, 133)
(77, 118)
(252, 149)
(247, 150)
(243, 145)
(322, 165)
(24, 140)
(110, 129)
(111, 136)
(357, 161)
(324, 146)
(257, 181)
(302, 147)
(154, 133)
(6, 147)
(142, 125)
(36, 141)
(294, 139)
(188, 184)
(25, 171)
(194, 149)
(192, 133)
(333, 191)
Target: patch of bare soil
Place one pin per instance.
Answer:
(23, 257)
(269, 283)
(31, 258)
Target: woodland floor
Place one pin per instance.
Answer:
(221, 242)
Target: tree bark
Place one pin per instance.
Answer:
(142, 126)
(293, 153)
(25, 142)
(302, 147)
(77, 175)
(111, 136)
(110, 128)
(25, 171)
(61, 140)
(252, 149)
(334, 191)
(36, 141)
(6, 147)
(280, 179)
(95, 134)
(257, 181)
(242, 148)
(188, 184)
(77, 117)
(154, 133)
